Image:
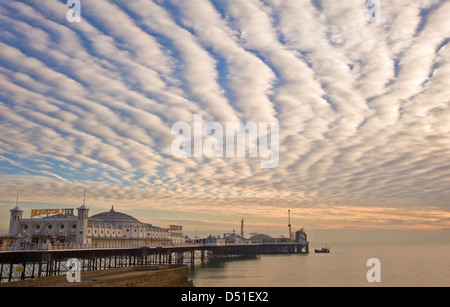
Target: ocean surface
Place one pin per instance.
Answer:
(402, 265)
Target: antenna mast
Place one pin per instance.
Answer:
(17, 198)
(289, 225)
(84, 197)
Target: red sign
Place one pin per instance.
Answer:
(39, 212)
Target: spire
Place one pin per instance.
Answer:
(83, 211)
(16, 215)
(17, 203)
(84, 200)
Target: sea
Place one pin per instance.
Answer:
(347, 265)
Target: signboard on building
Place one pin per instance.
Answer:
(19, 268)
(40, 212)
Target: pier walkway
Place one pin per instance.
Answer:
(29, 264)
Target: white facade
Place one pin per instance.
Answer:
(213, 241)
(176, 234)
(107, 229)
(300, 237)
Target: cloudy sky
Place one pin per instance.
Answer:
(363, 109)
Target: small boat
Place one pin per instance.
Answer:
(324, 250)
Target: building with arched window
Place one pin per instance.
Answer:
(107, 229)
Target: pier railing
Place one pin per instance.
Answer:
(29, 264)
(62, 246)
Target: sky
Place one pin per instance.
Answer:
(362, 105)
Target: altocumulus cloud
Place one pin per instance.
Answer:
(363, 107)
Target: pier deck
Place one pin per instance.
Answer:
(21, 265)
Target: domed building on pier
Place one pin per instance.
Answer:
(120, 229)
(106, 229)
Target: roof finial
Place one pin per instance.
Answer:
(112, 209)
(17, 209)
(84, 197)
(17, 198)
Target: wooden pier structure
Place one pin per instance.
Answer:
(21, 265)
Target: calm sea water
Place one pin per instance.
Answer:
(402, 265)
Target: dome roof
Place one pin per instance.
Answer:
(117, 218)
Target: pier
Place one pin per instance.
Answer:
(22, 265)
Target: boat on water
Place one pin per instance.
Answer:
(323, 250)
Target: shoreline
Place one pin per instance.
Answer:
(147, 276)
